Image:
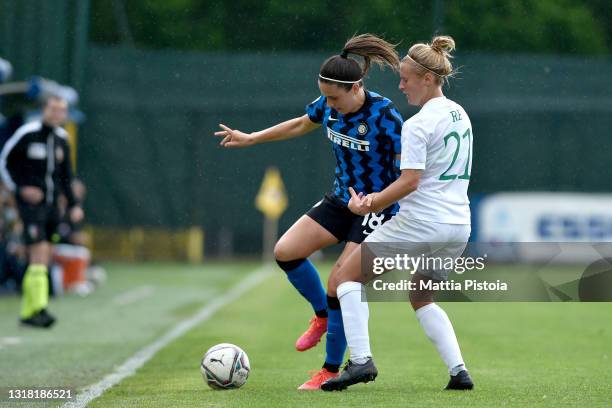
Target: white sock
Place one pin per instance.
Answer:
(355, 314)
(440, 331)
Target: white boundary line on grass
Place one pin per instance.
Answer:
(133, 363)
(133, 295)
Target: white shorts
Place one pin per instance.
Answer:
(432, 239)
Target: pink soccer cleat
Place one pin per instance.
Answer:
(310, 338)
(317, 379)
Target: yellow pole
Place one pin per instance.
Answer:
(72, 130)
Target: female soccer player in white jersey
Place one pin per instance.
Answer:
(364, 129)
(434, 211)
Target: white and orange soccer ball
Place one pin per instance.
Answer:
(225, 366)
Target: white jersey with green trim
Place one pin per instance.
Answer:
(438, 140)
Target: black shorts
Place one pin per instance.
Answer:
(333, 215)
(39, 222)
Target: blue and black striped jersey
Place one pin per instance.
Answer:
(365, 144)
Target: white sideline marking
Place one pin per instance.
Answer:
(133, 295)
(9, 341)
(133, 363)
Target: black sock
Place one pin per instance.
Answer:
(333, 303)
(289, 265)
(332, 368)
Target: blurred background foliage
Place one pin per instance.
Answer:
(538, 26)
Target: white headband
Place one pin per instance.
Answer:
(337, 80)
(424, 67)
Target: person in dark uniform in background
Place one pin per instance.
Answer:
(35, 166)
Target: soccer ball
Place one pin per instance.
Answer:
(225, 366)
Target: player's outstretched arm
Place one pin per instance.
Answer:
(286, 130)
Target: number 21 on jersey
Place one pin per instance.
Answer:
(461, 162)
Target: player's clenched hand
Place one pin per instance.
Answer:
(31, 194)
(76, 214)
(358, 203)
(233, 137)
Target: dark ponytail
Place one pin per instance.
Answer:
(371, 48)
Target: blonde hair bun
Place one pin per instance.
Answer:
(443, 44)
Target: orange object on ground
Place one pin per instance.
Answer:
(74, 261)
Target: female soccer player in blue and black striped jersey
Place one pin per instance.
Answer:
(364, 129)
(433, 223)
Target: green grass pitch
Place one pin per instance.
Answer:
(519, 354)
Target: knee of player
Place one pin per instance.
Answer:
(282, 252)
(39, 253)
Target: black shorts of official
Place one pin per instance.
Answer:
(333, 215)
(40, 222)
